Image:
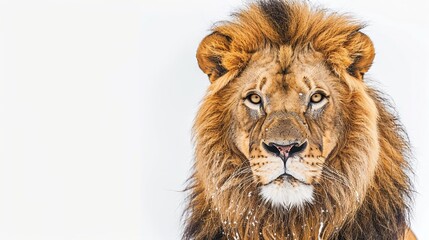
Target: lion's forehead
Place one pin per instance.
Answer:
(266, 71)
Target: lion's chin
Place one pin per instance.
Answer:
(287, 192)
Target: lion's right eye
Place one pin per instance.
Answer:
(253, 101)
(254, 98)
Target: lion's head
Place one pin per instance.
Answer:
(290, 141)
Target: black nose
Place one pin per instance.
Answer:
(285, 151)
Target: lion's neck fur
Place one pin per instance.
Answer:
(223, 207)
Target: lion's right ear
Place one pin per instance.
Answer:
(210, 53)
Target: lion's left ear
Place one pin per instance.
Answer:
(362, 53)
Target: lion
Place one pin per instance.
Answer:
(290, 140)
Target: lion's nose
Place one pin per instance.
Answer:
(285, 151)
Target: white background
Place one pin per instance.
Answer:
(97, 100)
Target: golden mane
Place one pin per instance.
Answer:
(268, 23)
(221, 202)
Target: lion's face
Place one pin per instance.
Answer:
(288, 115)
(288, 123)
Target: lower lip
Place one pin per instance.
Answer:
(285, 175)
(288, 177)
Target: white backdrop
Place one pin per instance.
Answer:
(97, 100)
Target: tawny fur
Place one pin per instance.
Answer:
(370, 197)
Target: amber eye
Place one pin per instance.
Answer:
(254, 98)
(316, 98)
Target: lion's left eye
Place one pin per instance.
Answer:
(318, 100)
(317, 97)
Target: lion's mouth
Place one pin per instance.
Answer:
(286, 177)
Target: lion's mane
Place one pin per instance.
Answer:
(223, 203)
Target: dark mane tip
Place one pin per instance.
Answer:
(277, 12)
